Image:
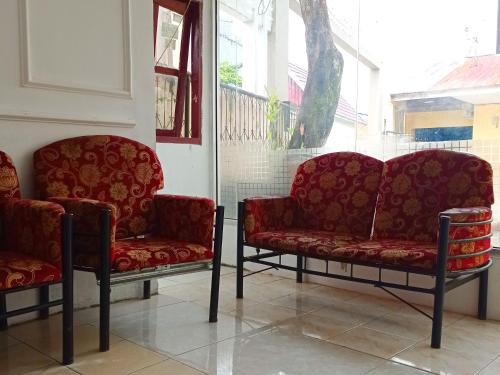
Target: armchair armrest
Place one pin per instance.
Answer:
(32, 227)
(185, 218)
(469, 237)
(263, 214)
(87, 227)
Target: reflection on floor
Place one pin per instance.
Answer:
(280, 328)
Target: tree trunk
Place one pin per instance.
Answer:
(322, 91)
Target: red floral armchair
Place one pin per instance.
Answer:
(124, 230)
(428, 213)
(35, 252)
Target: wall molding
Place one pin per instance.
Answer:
(25, 116)
(27, 79)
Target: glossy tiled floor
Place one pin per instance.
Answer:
(280, 328)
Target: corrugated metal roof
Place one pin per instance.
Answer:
(345, 110)
(478, 71)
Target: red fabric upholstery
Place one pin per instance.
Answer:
(86, 220)
(300, 241)
(92, 173)
(32, 228)
(469, 215)
(337, 192)
(187, 219)
(151, 252)
(416, 187)
(107, 168)
(264, 214)
(18, 270)
(9, 183)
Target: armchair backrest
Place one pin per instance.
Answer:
(337, 192)
(416, 187)
(107, 168)
(9, 183)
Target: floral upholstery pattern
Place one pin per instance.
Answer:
(300, 241)
(106, 168)
(9, 183)
(150, 252)
(32, 228)
(416, 187)
(189, 219)
(337, 192)
(264, 214)
(86, 221)
(469, 215)
(18, 270)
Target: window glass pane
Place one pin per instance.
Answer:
(168, 38)
(263, 71)
(435, 84)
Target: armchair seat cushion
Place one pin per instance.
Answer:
(19, 270)
(140, 253)
(314, 243)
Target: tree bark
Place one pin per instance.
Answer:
(322, 90)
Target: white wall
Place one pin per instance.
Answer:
(70, 68)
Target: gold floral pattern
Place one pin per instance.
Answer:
(57, 189)
(144, 173)
(9, 183)
(416, 187)
(339, 194)
(107, 168)
(432, 168)
(90, 175)
(71, 151)
(118, 191)
(352, 168)
(128, 151)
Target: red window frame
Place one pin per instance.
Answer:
(191, 32)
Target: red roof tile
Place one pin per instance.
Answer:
(479, 71)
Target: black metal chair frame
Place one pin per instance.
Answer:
(106, 278)
(44, 303)
(445, 281)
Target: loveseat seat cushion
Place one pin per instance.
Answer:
(313, 243)
(20, 270)
(417, 187)
(337, 192)
(414, 254)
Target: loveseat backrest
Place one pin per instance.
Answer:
(107, 168)
(9, 183)
(337, 192)
(416, 187)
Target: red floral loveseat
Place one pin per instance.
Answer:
(124, 230)
(428, 213)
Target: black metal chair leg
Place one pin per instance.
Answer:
(43, 298)
(104, 283)
(146, 289)
(300, 261)
(439, 289)
(3, 310)
(483, 295)
(214, 290)
(239, 251)
(67, 291)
